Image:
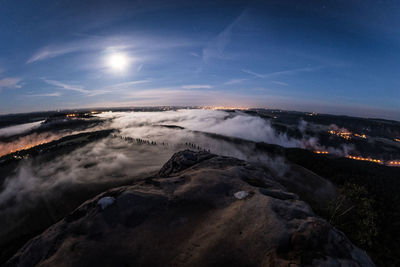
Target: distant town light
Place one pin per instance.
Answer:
(365, 159)
(361, 136)
(321, 152)
(342, 134)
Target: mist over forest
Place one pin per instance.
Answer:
(49, 167)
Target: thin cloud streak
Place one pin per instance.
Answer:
(197, 86)
(285, 72)
(280, 83)
(119, 87)
(51, 52)
(126, 84)
(10, 82)
(105, 90)
(234, 81)
(216, 48)
(94, 43)
(65, 86)
(55, 94)
(194, 54)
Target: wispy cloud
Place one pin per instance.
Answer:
(94, 43)
(50, 52)
(127, 84)
(10, 82)
(234, 81)
(99, 92)
(194, 54)
(94, 92)
(216, 48)
(258, 75)
(280, 83)
(285, 72)
(116, 87)
(65, 86)
(55, 94)
(197, 86)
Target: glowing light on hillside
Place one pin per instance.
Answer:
(25, 147)
(395, 163)
(321, 152)
(344, 135)
(361, 136)
(347, 135)
(365, 159)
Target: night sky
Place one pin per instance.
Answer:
(340, 57)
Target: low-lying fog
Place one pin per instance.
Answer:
(18, 129)
(115, 158)
(141, 144)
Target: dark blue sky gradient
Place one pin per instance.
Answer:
(338, 57)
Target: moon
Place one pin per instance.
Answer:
(118, 62)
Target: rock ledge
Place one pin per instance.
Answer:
(189, 216)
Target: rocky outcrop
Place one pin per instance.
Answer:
(189, 215)
(183, 160)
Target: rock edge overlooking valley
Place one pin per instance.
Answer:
(190, 215)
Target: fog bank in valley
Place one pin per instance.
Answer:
(117, 157)
(141, 143)
(18, 129)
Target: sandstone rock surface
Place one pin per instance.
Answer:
(188, 216)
